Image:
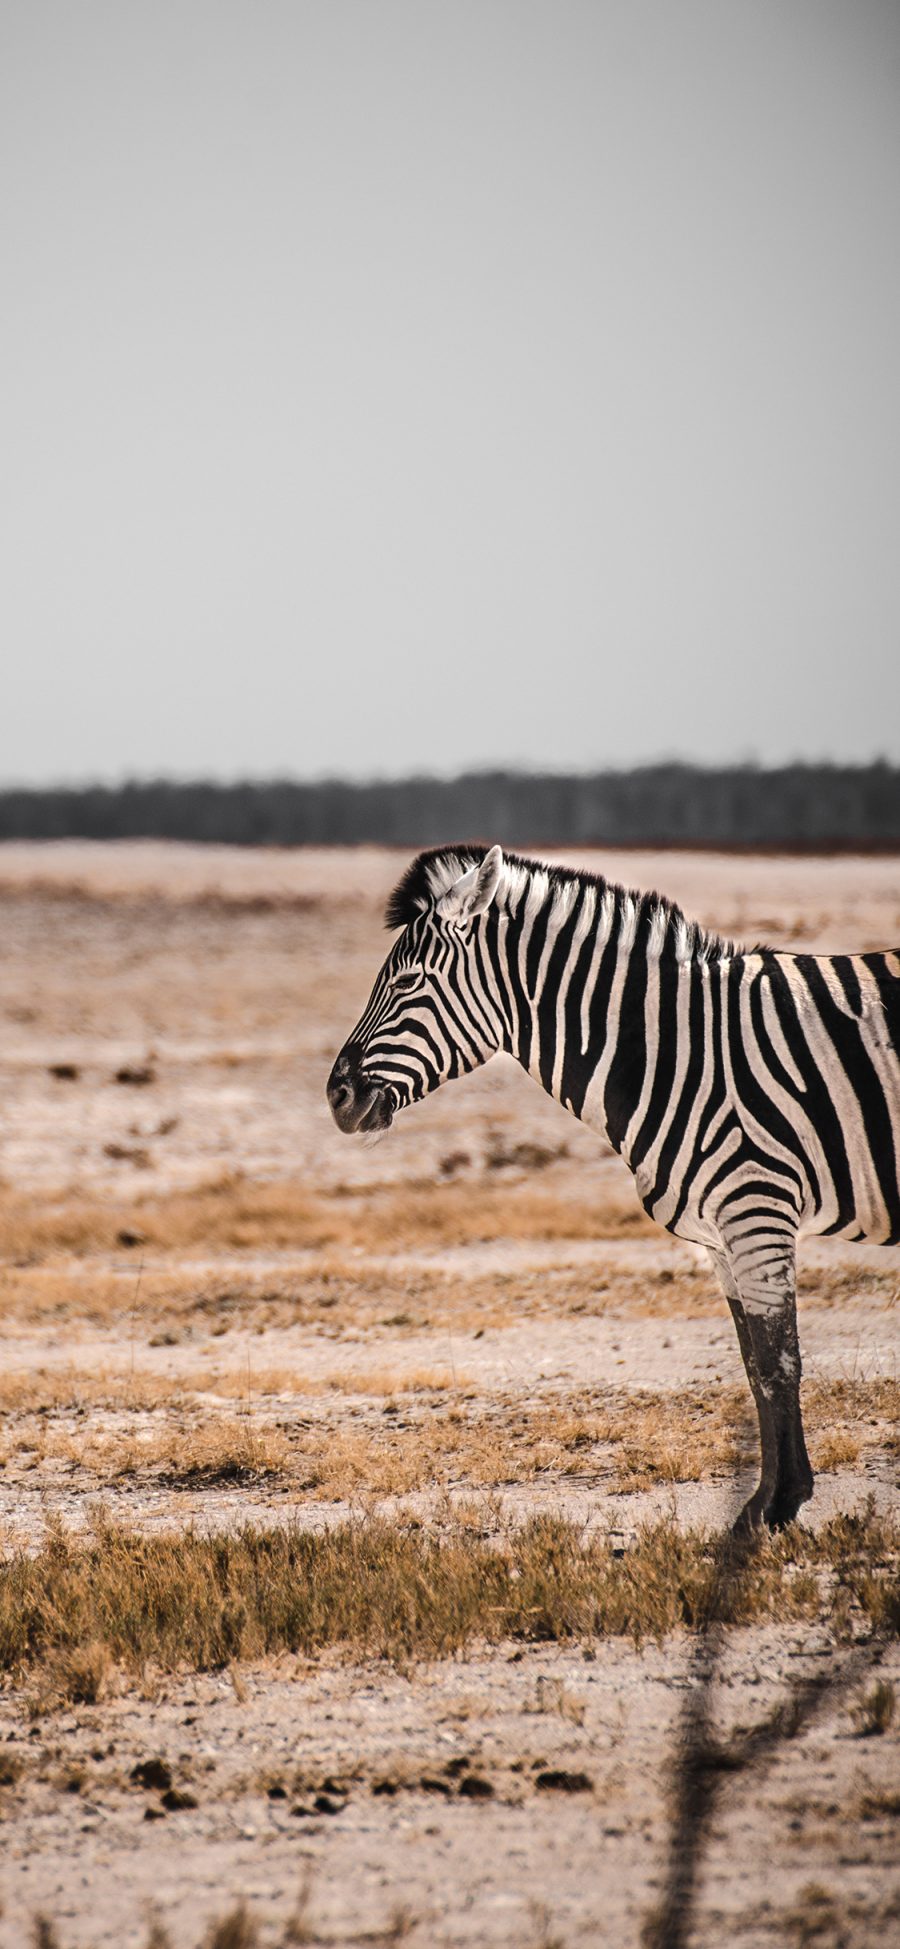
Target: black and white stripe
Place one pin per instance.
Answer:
(755, 1095)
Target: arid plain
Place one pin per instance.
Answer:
(361, 1503)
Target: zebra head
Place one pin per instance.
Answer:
(433, 1012)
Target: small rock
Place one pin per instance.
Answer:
(475, 1787)
(128, 1154)
(325, 1804)
(556, 1779)
(154, 1813)
(277, 1793)
(177, 1800)
(152, 1773)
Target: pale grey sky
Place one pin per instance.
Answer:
(391, 387)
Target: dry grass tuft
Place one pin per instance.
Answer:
(879, 1805)
(835, 1449)
(544, 1934)
(236, 1930)
(83, 1674)
(44, 1935)
(814, 1917)
(875, 1712)
(846, 1417)
(192, 1601)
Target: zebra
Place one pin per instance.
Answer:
(753, 1094)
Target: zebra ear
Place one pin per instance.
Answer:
(473, 892)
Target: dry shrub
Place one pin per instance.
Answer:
(186, 1600)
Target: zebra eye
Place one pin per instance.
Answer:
(404, 983)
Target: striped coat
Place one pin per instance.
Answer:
(754, 1095)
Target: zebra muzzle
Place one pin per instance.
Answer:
(356, 1102)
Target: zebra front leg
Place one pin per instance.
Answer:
(764, 1310)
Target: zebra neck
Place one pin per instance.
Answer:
(580, 965)
(565, 958)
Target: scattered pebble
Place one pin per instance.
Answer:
(557, 1779)
(152, 1773)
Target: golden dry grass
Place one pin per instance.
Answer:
(40, 1389)
(236, 1214)
(189, 1601)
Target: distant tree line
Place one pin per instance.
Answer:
(819, 807)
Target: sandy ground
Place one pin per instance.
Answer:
(226, 980)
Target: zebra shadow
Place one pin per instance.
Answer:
(701, 1762)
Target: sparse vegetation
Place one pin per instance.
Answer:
(423, 1429)
(238, 1928)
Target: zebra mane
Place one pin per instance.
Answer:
(434, 871)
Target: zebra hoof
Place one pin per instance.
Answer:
(784, 1506)
(775, 1511)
